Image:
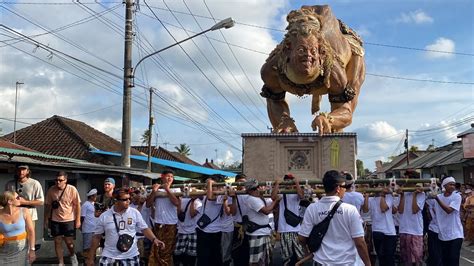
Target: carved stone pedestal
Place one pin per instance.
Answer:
(267, 156)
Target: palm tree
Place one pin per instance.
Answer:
(145, 137)
(183, 149)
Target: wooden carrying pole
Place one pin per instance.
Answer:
(265, 193)
(310, 182)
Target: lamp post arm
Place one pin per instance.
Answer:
(165, 48)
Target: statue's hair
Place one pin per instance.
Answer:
(304, 23)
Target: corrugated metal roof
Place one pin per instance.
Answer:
(16, 152)
(187, 167)
(469, 131)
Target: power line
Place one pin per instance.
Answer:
(202, 72)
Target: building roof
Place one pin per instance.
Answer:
(65, 137)
(10, 145)
(210, 164)
(163, 153)
(400, 161)
(467, 132)
(172, 164)
(445, 155)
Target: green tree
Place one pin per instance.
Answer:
(144, 137)
(183, 149)
(414, 148)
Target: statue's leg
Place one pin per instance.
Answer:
(276, 105)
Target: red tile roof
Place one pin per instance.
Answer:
(10, 145)
(65, 137)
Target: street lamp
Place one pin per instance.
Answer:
(226, 23)
(129, 82)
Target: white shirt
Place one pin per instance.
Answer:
(292, 204)
(242, 199)
(354, 198)
(146, 215)
(226, 221)
(133, 223)
(88, 212)
(165, 210)
(433, 227)
(189, 224)
(382, 221)
(338, 246)
(449, 225)
(255, 204)
(213, 210)
(410, 223)
(396, 216)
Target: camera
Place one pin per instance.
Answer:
(55, 204)
(100, 207)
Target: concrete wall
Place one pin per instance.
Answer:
(306, 155)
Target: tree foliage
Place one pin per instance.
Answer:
(183, 149)
(144, 137)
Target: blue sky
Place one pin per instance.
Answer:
(211, 97)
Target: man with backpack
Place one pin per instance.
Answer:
(344, 236)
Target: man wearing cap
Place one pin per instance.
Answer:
(447, 216)
(62, 215)
(88, 220)
(344, 238)
(29, 190)
(106, 200)
(291, 249)
(411, 225)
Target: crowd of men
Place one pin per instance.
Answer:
(156, 227)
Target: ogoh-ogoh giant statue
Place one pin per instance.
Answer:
(319, 55)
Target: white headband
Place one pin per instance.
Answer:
(448, 180)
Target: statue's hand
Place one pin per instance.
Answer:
(322, 123)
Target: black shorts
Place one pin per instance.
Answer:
(62, 229)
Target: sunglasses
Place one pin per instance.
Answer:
(126, 199)
(60, 180)
(20, 189)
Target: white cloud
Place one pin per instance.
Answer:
(441, 44)
(417, 17)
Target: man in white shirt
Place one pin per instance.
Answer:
(344, 238)
(291, 249)
(447, 216)
(240, 245)
(185, 251)
(259, 209)
(88, 220)
(434, 250)
(166, 218)
(116, 221)
(383, 229)
(209, 235)
(411, 225)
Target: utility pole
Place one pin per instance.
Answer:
(150, 126)
(17, 84)
(406, 147)
(127, 86)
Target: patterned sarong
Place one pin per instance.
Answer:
(164, 256)
(289, 244)
(411, 248)
(186, 244)
(260, 250)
